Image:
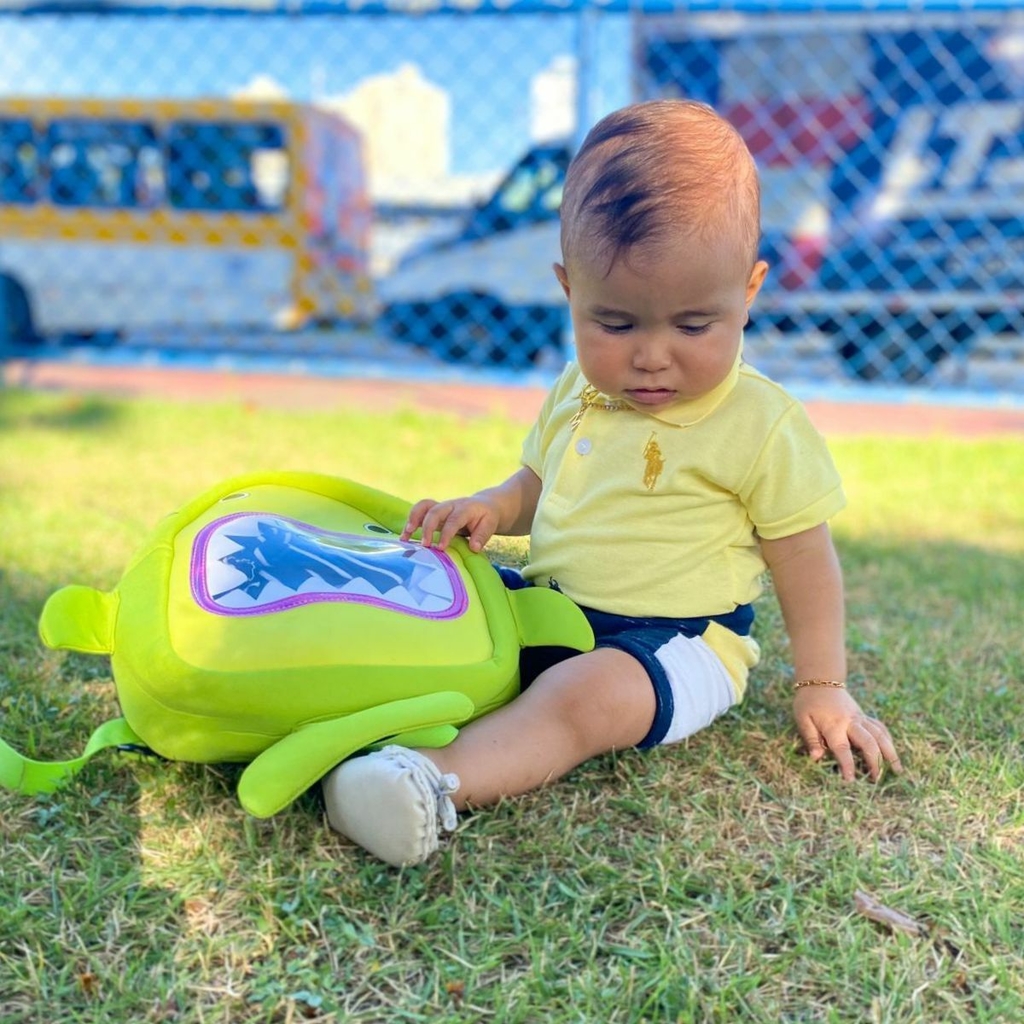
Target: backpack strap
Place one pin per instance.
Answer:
(25, 775)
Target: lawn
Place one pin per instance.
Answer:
(712, 881)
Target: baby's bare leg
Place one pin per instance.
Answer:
(579, 708)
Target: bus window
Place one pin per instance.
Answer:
(98, 163)
(19, 162)
(270, 177)
(227, 166)
(151, 179)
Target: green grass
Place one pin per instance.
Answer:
(712, 881)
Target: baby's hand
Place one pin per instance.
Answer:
(474, 517)
(830, 719)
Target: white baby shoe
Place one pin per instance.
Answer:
(394, 802)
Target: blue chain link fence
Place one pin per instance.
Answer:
(332, 177)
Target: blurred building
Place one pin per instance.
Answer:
(405, 122)
(553, 101)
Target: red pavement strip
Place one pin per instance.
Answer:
(467, 400)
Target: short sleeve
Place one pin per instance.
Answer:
(794, 484)
(534, 444)
(531, 454)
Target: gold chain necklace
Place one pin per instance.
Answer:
(589, 398)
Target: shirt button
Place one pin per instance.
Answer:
(583, 446)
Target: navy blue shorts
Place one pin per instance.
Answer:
(691, 685)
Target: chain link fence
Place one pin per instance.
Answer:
(376, 178)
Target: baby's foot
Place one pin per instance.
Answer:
(394, 802)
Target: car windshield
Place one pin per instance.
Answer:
(531, 193)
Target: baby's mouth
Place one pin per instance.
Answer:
(650, 396)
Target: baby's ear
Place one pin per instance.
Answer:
(757, 276)
(563, 277)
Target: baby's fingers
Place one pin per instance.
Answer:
(416, 516)
(481, 530)
(864, 740)
(829, 737)
(441, 519)
(878, 749)
(814, 740)
(839, 743)
(872, 741)
(455, 522)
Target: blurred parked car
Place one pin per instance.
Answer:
(892, 166)
(487, 294)
(926, 250)
(892, 162)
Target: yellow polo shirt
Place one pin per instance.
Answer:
(658, 514)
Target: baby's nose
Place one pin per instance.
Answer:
(651, 354)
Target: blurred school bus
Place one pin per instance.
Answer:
(129, 215)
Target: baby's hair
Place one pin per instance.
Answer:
(657, 168)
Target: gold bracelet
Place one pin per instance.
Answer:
(800, 683)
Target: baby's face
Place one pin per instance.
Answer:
(665, 324)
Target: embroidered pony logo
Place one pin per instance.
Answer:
(653, 462)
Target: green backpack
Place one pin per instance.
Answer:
(279, 619)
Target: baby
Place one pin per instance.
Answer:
(662, 477)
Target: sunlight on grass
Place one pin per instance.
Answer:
(968, 492)
(712, 881)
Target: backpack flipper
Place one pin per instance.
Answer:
(545, 618)
(282, 772)
(432, 736)
(78, 618)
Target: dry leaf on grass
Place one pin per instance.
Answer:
(897, 921)
(456, 992)
(89, 983)
(894, 919)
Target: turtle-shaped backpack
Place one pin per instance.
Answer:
(279, 619)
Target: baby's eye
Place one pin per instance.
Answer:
(615, 328)
(694, 330)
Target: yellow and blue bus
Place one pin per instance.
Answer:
(121, 216)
